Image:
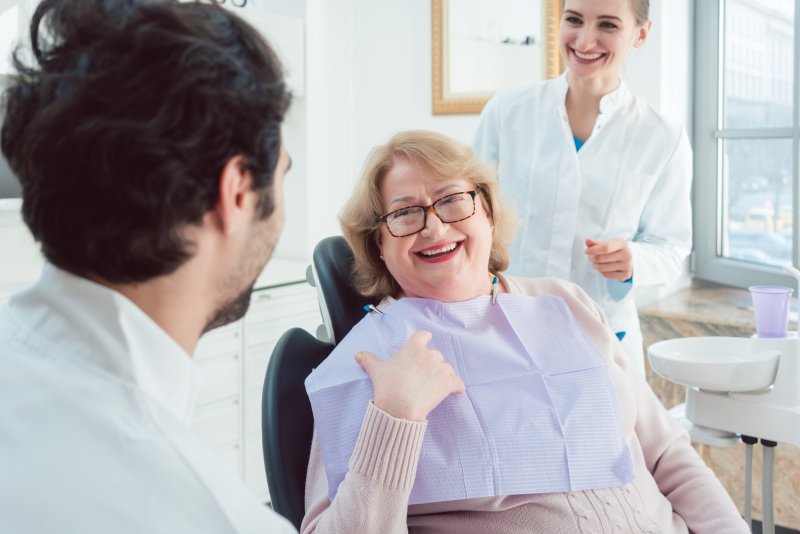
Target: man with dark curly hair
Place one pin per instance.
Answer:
(146, 136)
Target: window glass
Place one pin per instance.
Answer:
(757, 178)
(758, 63)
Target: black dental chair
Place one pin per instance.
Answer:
(286, 419)
(340, 305)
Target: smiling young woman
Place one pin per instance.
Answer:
(601, 180)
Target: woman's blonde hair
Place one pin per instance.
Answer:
(445, 159)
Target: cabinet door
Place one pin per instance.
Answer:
(219, 416)
(272, 312)
(218, 357)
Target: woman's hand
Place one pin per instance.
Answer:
(613, 259)
(413, 381)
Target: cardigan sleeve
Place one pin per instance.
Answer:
(373, 497)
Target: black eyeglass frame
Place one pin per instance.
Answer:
(431, 208)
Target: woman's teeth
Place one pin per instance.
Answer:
(442, 250)
(587, 57)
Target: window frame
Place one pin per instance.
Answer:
(708, 189)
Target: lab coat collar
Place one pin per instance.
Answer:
(90, 324)
(616, 99)
(609, 103)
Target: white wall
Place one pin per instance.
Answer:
(392, 75)
(368, 75)
(329, 104)
(661, 71)
(20, 259)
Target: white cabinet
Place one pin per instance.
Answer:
(218, 418)
(233, 361)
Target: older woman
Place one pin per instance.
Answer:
(428, 233)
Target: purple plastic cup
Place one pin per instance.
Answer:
(771, 307)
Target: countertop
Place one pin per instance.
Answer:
(703, 309)
(706, 301)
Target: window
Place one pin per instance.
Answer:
(746, 140)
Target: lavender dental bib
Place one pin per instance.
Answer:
(539, 414)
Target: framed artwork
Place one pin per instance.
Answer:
(479, 47)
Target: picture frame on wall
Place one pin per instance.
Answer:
(479, 47)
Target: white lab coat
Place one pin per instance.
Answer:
(95, 404)
(632, 179)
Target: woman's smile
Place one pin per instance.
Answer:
(587, 58)
(439, 253)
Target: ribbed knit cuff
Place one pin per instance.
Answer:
(387, 450)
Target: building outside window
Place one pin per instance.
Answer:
(746, 140)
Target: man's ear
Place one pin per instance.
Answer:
(235, 188)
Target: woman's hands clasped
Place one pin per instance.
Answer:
(413, 382)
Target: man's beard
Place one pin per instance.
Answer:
(258, 253)
(230, 312)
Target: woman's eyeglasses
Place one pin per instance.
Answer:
(412, 219)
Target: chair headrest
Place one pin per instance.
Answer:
(342, 307)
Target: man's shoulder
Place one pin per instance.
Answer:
(73, 441)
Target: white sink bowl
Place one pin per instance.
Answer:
(730, 364)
